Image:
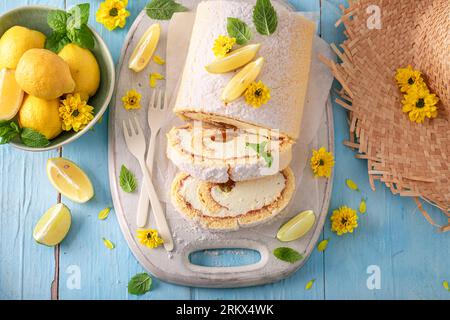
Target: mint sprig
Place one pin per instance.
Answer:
(163, 9)
(31, 138)
(287, 254)
(140, 284)
(127, 180)
(265, 17)
(8, 131)
(260, 149)
(239, 29)
(70, 27)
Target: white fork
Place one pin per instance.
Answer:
(135, 139)
(157, 110)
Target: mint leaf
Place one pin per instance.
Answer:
(265, 17)
(33, 138)
(8, 131)
(56, 42)
(127, 180)
(57, 20)
(79, 16)
(260, 149)
(140, 284)
(163, 9)
(82, 37)
(70, 27)
(238, 29)
(287, 254)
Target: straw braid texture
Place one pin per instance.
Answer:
(411, 159)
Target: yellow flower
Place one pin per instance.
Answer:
(113, 14)
(132, 100)
(406, 77)
(75, 113)
(223, 45)
(149, 238)
(344, 220)
(154, 77)
(420, 103)
(322, 162)
(257, 94)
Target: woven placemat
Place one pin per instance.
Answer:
(411, 159)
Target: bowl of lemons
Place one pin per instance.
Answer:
(56, 76)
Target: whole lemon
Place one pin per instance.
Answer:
(41, 115)
(84, 69)
(44, 74)
(15, 42)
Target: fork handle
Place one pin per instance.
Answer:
(161, 222)
(143, 204)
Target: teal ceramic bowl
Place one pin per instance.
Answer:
(35, 17)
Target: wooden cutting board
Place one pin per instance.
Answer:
(175, 266)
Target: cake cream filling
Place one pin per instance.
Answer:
(225, 144)
(244, 197)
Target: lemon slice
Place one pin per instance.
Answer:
(11, 95)
(53, 226)
(297, 227)
(145, 48)
(240, 82)
(70, 180)
(235, 59)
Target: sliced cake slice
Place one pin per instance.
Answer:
(228, 206)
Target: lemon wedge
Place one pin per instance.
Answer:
(11, 95)
(53, 226)
(69, 180)
(233, 60)
(297, 227)
(240, 82)
(145, 48)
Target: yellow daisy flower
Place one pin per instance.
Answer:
(322, 162)
(344, 220)
(406, 77)
(75, 113)
(223, 45)
(113, 14)
(149, 238)
(257, 94)
(420, 103)
(132, 100)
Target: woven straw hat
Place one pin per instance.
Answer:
(411, 159)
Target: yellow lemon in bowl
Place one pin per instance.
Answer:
(84, 69)
(41, 115)
(11, 95)
(15, 42)
(44, 74)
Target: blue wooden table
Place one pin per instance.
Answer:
(393, 244)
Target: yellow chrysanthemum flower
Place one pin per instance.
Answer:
(132, 100)
(322, 162)
(149, 238)
(113, 14)
(223, 45)
(75, 113)
(420, 103)
(406, 77)
(257, 94)
(344, 220)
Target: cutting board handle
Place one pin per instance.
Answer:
(238, 244)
